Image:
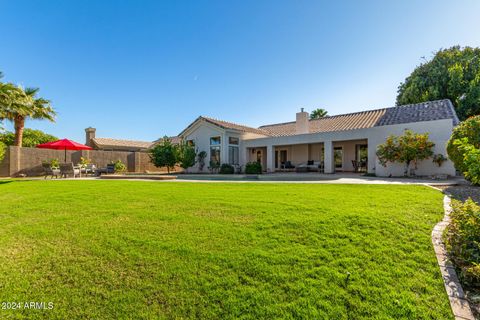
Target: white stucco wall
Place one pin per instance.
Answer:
(439, 133)
(201, 134)
(302, 147)
(439, 130)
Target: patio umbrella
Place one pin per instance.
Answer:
(64, 144)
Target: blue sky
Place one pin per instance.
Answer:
(143, 69)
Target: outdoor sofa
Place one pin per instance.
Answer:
(310, 166)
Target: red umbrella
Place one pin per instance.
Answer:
(64, 144)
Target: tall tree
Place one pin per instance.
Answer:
(24, 104)
(453, 74)
(318, 113)
(164, 154)
(11, 97)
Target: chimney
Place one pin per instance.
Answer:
(301, 124)
(89, 135)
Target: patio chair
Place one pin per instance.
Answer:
(287, 165)
(89, 169)
(67, 169)
(49, 171)
(355, 165)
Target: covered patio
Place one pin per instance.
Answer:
(322, 157)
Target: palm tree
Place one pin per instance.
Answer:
(21, 104)
(318, 113)
(9, 93)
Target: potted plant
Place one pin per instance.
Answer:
(439, 159)
(201, 160)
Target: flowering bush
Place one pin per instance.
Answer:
(409, 147)
(84, 162)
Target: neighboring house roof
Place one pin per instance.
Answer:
(120, 143)
(227, 125)
(174, 140)
(426, 111)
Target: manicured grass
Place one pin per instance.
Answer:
(119, 249)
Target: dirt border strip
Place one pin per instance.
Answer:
(460, 306)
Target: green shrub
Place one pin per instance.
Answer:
(120, 167)
(227, 169)
(30, 138)
(462, 239)
(469, 130)
(54, 163)
(253, 168)
(214, 166)
(201, 160)
(3, 150)
(471, 160)
(186, 155)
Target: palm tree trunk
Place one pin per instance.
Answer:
(19, 123)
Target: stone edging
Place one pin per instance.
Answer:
(460, 307)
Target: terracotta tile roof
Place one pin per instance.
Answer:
(351, 121)
(234, 126)
(174, 139)
(120, 143)
(227, 125)
(425, 111)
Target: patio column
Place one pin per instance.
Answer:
(372, 156)
(328, 157)
(270, 158)
(243, 156)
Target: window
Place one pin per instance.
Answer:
(338, 157)
(233, 155)
(215, 154)
(233, 140)
(259, 156)
(215, 149)
(215, 141)
(190, 143)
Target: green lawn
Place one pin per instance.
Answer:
(119, 249)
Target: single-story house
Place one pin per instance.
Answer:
(336, 143)
(109, 144)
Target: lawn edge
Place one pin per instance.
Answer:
(456, 296)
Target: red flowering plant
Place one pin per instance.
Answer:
(407, 148)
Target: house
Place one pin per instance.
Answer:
(109, 144)
(339, 142)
